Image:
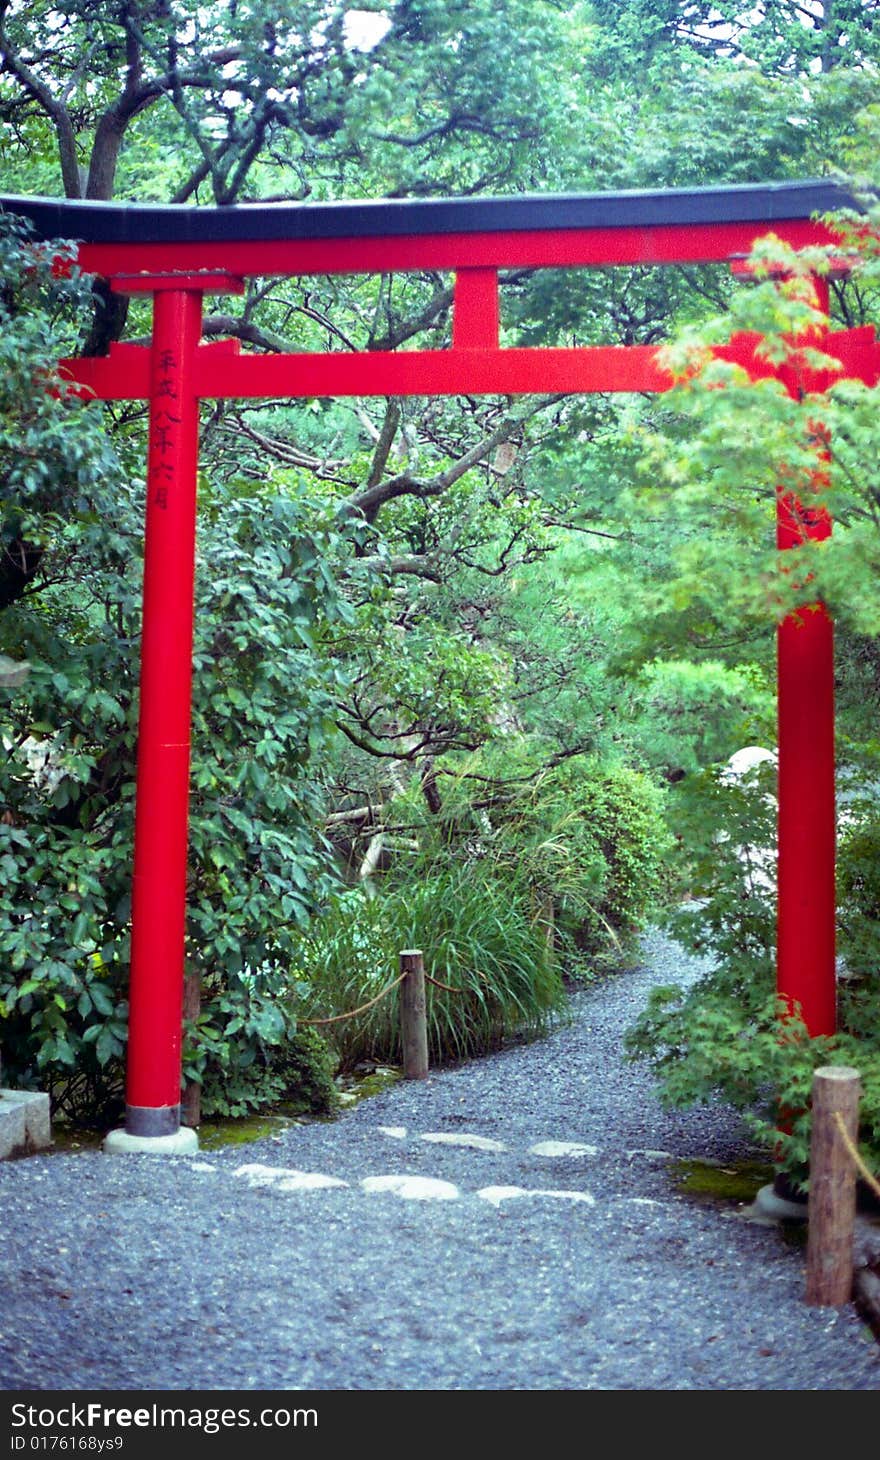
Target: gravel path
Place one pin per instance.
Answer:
(510, 1263)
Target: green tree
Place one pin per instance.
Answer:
(721, 1034)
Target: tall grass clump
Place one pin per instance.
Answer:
(478, 937)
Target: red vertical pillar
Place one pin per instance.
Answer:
(806, 978)
(806, 915)
(161, 814)
(475, 313)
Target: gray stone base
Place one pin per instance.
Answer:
(182, 1143)
(24, 1123)
(770, 1205)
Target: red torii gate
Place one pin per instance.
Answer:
(180, 254)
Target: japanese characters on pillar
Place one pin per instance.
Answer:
(165, 417)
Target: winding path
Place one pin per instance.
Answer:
(510, 1224)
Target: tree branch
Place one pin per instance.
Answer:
(53, 108)
(384, 443)
(371, 499)
(417, 565)
(233, 326)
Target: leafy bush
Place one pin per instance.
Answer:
(725, 1034)
(71, 514)
(247, 1054)
(591, 838)
(478, 937)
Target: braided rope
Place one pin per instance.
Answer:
(447, 988)
(871, 1180)
(362, 1010)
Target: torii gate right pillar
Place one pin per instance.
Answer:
(805, 956)
(806, 977)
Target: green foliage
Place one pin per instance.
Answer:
(858, 891)
(55, 461)
(782, 37)
(584, 841)
(698, 714)
(728, 499)
(478, 937)
(591, 838)
(725, 1034)
(262, 712)
(307, 1064)
(858, 885)
(247, 1054)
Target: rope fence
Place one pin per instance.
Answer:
(335, 1018)
(413, 1011)
(413, 1020)
(446, 987)
(855, 1156)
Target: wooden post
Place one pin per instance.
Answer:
(413, 1015)
(832, 1203)
(191, 1099)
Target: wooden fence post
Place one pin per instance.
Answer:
(413, 1015)
(191, 1098)
(832, 1202)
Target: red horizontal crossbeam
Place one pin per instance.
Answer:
(433, 372)
(223, 373)
(542, 248)
(857, 351)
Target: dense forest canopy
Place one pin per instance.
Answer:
(495, 643)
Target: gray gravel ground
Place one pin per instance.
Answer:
(145, 1272)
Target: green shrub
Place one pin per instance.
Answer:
(478, 937)
(725, 1035)
(307, 1065)
(858, 893)
(590, 837)
(247, 1053)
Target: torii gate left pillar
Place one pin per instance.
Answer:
(152, 1109)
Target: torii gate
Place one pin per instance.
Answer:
(180, 254)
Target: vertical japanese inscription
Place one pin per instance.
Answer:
(165, 423)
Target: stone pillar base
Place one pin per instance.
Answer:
(182, 1142)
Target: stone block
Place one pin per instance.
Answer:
(24, 1122)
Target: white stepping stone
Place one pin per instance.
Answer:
(257, 1175)
(464, 1138)
(413, 1188)
(286, 1178)
(201, 1166)
(497, 1194)
(562, 1148)
(309, 1181)
(393, 1132)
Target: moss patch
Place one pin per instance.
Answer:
(708, 1181)
(232, 1131)
(360, 1085)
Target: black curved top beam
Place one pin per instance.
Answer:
(90, 222)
